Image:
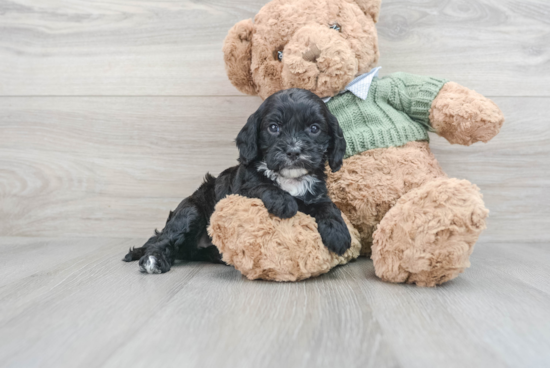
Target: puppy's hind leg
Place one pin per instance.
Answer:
(157, 258)
(179, 239)
(159, 252)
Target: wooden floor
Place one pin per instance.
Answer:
(73, 303)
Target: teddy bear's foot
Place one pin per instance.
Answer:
(428, 236)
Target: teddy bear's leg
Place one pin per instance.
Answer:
(370, 184)
(428, 236)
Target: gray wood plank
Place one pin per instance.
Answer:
(77, 313)
(472, 321)
(78, 159)
(224, 320)
(488, 317)
(173, 47)
(116, 166)
(497, 47)
(96, 311)
(35, 256)
(525, 262)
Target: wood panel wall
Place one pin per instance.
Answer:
(111, 112)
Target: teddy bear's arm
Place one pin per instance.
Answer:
(463, 116)
(460, 115)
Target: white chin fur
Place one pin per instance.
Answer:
(294, 181)
(293, 173)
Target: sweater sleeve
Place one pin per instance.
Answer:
(413, 95)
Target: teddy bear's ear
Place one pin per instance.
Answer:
(370, 7)
(237, 50)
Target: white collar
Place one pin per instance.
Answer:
(359, 86)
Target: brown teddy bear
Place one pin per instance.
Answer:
(418, 225)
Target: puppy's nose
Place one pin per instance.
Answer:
(293, 153)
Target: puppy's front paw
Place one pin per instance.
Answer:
(283, 206)
(157, 263)
(335, 235)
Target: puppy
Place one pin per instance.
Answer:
(283, 149)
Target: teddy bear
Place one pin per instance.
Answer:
(418, 225)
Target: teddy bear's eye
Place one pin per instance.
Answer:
(336, 27)
(280, 55)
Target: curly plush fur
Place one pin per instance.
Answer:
(371, 183)
(315, 57)
(428, 236)
(420, 224)
(463, 116)
(291, 249)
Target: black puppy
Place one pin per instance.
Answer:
(283, 150)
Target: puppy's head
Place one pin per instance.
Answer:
(294, 133)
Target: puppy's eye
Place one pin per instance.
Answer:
(273, 128)
(314, 129)
(280, 55)
(336, 27)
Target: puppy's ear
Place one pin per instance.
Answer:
(337, 147)
(247, 139)
(237, 52)
(370, 7)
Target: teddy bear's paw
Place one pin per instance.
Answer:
(463, 116)
(154, 263)
(335, 235)
(427, 237)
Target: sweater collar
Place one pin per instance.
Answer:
(359, 86)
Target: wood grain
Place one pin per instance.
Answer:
(89, 305)
(33, 256)
(116, 166)
(92, 310)
(112, 162)
(497, 47)
(481, 319)
(173, 47)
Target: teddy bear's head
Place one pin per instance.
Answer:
(318, 45)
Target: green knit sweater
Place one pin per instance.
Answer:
(396, 111)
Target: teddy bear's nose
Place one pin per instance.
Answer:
(312, 54)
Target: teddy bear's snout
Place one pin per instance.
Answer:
(319, 59)
(312, 54)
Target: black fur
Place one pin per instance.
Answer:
(306, 136)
